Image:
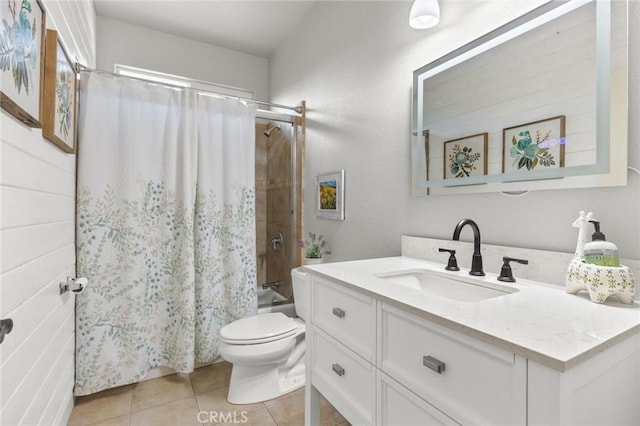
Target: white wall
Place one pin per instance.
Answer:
(353, 62)
(126, 44)
(37, 233)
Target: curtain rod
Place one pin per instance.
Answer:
(82, 68)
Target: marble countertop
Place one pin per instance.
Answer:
(538, 321)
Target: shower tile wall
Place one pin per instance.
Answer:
(273, 206)
(261, 203)
(279, 207)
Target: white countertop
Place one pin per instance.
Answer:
(540, 322)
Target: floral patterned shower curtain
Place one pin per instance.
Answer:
(165, 228)
(225, 236)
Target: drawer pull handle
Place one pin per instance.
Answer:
(433, 364)
(337, 369)
(338, 312)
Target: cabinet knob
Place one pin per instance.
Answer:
(338, 312)
(338, 369)
(433, 364)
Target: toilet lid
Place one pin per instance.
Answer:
(259, 328)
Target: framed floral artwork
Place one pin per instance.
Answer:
(22, 35)
(533, 146)
(330, 195)
(60, 93)
(465, 157)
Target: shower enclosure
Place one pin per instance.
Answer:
(279, 144)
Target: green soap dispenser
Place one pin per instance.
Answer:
(599, 251)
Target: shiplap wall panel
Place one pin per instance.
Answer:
(28, 140)
(31, 242)
(42, 355)
(76, 24)
(26, 171)
(60, 413)
(31, 314)
(43, 409)
(30, 207)
(37, 251)
(553, 69)
(23, 282)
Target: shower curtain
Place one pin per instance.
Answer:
(225, 229)
(165, 227)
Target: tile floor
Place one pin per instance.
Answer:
(191, 399)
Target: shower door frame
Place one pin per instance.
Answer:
(297, 137)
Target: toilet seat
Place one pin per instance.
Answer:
(258, 329)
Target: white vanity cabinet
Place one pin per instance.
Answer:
(603, 390)
(379, 365)
(382, 361)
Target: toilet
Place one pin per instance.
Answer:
(267, 351)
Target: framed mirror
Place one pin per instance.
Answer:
(540, 103)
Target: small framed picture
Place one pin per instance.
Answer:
(533, 146)
(22, 35)
(59, 101)
(465, 157)
(330, 195)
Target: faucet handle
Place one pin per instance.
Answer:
(506, 274)
(452, 264)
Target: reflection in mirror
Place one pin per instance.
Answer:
(549, 91)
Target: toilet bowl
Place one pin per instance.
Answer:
(267, 351)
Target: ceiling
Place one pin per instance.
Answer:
(257, 27)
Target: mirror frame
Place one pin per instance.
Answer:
(610, 166)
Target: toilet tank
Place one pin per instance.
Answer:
(301, 292)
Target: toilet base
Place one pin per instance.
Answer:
(267, 370)
(252, 384)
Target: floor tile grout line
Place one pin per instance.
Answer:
(271, 415)
(131, 403)
(99, 420)
(195, 401)
(193, 389)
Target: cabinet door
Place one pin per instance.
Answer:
(470, 381)
(345, 314)
(399, 406)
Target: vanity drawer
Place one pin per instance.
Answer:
(346, 380)
(470, 381)
(399, 406)
(346, 315)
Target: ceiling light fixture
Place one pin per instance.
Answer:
(424, 14)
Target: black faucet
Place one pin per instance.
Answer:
(476, 262)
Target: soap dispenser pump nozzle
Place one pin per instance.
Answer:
(600, 251)
(597, 235)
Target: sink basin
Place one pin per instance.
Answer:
(438, 284)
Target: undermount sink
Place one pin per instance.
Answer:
(457, 288)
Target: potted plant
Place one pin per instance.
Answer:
(313, 249)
